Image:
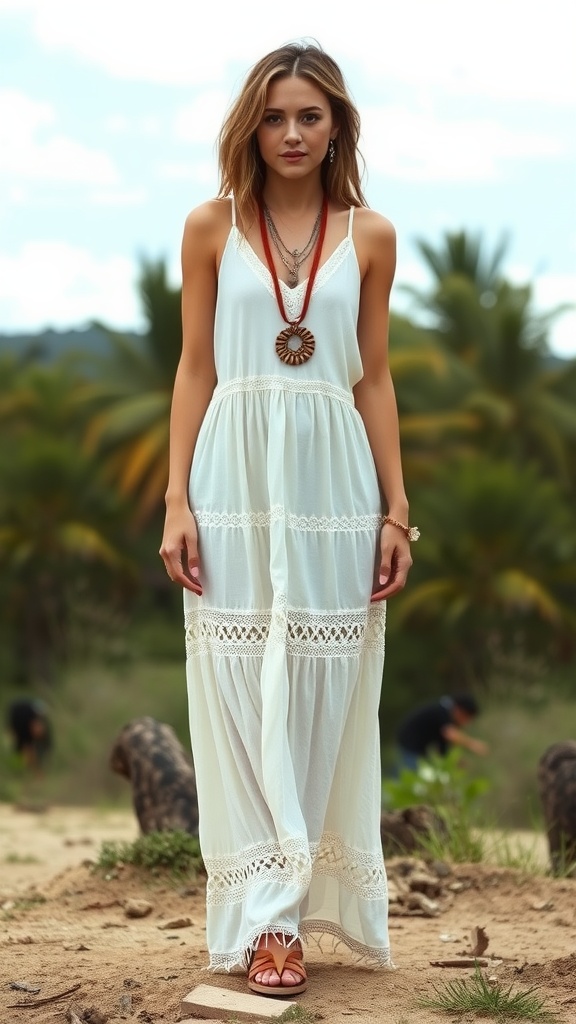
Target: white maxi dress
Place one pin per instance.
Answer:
(284, 651)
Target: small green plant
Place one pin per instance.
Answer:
(458, 842)
(438, 781)
(23, 903)
(18, 858)
(298, 1014)
(492, 1000)
(442, 783)
(507, 851)
(293, 1013)
(177, 852)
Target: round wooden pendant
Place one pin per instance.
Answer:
(301, 354)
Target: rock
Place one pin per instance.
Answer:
(418, 901)
(137, 908)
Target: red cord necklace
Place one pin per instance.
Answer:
(289, 355)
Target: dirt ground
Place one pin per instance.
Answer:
(63, 927)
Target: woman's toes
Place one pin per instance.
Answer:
(290, 978)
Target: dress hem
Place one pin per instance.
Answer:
(367, 956)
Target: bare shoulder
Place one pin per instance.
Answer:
(373, 227)
(375, 242)
(206, 227)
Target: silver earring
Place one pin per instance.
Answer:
(331, 151)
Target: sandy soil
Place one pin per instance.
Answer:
(62, 925)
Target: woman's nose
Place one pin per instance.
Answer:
(292, 133)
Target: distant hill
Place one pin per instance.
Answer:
(46, 346)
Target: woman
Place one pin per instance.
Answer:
(283, 440)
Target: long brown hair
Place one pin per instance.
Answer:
(242, 170)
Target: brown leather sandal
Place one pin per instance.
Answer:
(279, 959)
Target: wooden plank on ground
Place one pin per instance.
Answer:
(211, 1003)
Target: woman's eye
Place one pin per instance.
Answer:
(272, 119)
(310, 118)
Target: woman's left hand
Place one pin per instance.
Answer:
(395, 562)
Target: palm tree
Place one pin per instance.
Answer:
(131, 402)
(522, 401)
(497, 559)
(61, 547)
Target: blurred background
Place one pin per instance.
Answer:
(108, 119)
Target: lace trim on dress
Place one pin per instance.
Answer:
(230, 878)
(369, 955)
(360, 872)
(303, 632)
(240, 385)
(278, 514)
(292, 296)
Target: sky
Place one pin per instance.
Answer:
(109, 113)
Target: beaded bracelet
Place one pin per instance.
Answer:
(410, 532)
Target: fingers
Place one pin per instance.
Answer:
(395, 562)
(182, 563)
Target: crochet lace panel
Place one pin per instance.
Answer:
(302, 631)
(278, 514)
(293, 297)
(360, 872)
(243, 385)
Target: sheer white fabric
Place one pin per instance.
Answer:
(284, 650)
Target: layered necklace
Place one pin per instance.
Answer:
(292, 258)
(285, 350)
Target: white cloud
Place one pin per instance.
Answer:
(419, 146)
(199, 121)
(504, 50)
(28, 151)
(119, 197)
(198, 172)
(147, 126)
(69, 285)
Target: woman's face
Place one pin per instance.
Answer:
(296, 127)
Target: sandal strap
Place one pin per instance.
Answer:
(279, 959)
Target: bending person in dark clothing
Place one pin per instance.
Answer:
(436, 727)
(30, 729)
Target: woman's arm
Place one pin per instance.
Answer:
(374, 394)
(193, 387)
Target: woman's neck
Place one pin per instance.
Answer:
(292, 198)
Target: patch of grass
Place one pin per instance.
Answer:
(27, 902)
(507, 851)
(13, 908)
(17, 858)
(293, 1013)
(477, 994)
(176, 852)
(460, 844)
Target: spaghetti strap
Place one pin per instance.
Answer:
(233, 211)
(350, 221)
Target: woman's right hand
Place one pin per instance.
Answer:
(179, 549)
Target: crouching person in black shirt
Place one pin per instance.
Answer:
(436, 727)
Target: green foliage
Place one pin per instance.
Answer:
(496, 564)
(439, 781)
(477, 994)
(445, 785)
(176, 852)
(292, 1013)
